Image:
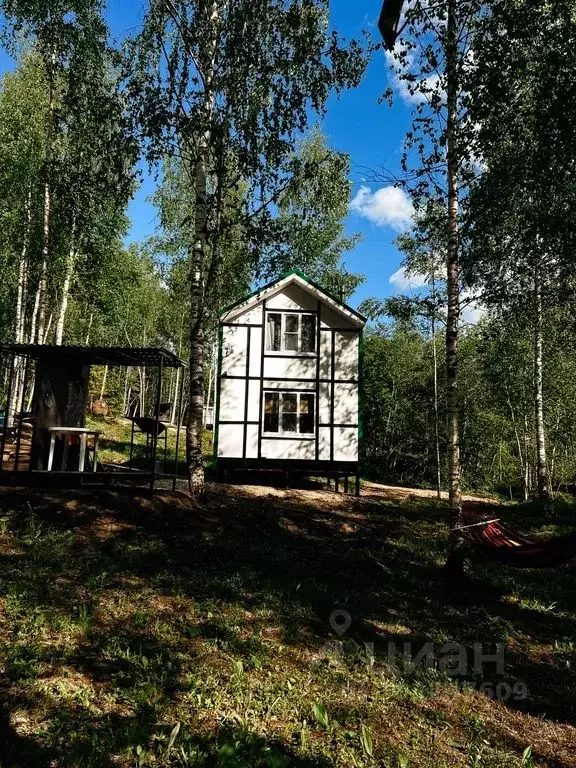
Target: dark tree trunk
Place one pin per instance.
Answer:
(455, 562)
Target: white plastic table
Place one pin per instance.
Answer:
(67, 432)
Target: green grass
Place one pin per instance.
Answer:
(138, 632)
(114, 444)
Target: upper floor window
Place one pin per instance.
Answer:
(290, 332)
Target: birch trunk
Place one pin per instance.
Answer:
(103, 387)
(70, 262)
(175, 399)
(47, 329)
(436, 409)
(541, 463)
(23, 275)
(89, 328)
(455, 562)
(202, 157)
(522, 458)
(34, 317)
(126, 391)
(43, 284)
(175, 403)
(19, 362)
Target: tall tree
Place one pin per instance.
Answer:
(87, 153)
(98, 155)
(227, 87)
(309, 232)
(433, 65)
(521, 242)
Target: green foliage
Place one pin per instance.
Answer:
(309, 227)
(398, 416)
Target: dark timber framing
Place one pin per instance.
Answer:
(323, 461)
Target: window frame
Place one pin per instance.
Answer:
(291, 352)
(292, 435)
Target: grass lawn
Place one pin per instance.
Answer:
(169, 632)
(114, 444)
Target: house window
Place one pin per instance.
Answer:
(289, 413)
(290, 332)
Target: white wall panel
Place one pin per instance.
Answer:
(345, 444)
(324, 444)
(290, 367)
(325, 354)
(289, 449)
(345, 403)
(232, 393)
(291, 385)
(324, 406)
(292, 297)
(230, 439)
(252, 441)
(234, 342)
(252, 316)
(254, 400)
(255, 351)
(346, 356)
(331, 319)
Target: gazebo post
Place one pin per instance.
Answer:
(157, 417)
(131, 445)
(178, 427)
(6, 412)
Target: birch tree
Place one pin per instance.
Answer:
(87, 151)
(521, 239)
(432, 68)
(226, 86)
(308, 232)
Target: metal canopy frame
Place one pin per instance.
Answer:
(114, 356)
(148, 357)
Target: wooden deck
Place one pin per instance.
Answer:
(20, 445)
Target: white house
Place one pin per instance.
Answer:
(288, 382)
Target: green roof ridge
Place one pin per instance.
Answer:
(290, 273)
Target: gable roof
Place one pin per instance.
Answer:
(294, 277)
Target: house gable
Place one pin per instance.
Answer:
(293, 291)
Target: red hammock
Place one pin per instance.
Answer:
(514, 549)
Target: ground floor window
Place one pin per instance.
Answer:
(288, 413)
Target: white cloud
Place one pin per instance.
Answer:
(404, 282)
(386, 207)
(413, 95)
(471, 311)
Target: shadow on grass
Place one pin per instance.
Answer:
(149, 588)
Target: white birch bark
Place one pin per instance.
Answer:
(43, 284)
(541, 461)
(197, 349)
(456, 542)
(70, 263)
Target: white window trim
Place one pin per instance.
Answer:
(280, 433)
(290, 352)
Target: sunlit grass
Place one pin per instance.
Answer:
(140, 633)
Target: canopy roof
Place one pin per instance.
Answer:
(389, 20)
(146, 356)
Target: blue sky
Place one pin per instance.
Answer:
(369, 132)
